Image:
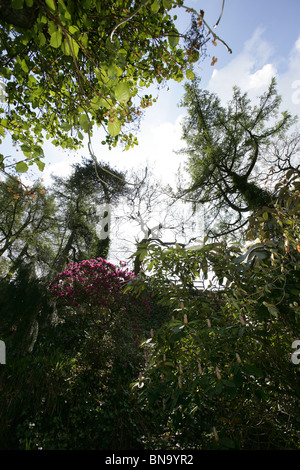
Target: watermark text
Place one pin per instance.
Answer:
(296, 354)
(2, 352)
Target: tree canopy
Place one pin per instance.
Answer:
(69, 65)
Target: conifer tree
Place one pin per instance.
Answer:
(226, 147)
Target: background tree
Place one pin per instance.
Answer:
(149, 212)
(27, 218)
(226, 148)
(84, 200)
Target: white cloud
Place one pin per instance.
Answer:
(297, 44)
(62, 168)
(261, 78)
(251, 70)
(289, 81)
(158, 141)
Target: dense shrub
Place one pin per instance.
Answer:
(72, 390)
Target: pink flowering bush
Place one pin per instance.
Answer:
(94, 281)
(96, 288)
(86, 363)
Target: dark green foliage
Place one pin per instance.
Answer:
(24, 308)
(70, 390)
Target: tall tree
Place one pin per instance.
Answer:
(85, 200)
(225, 148)
(27, 216)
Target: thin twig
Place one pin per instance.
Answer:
(127, 19)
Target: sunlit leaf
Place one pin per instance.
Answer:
(21, 167)
(56, 38)
(40, 164)
(155, 6)
(42, 39)
(122, 92)
(190, 74)
(114, 127)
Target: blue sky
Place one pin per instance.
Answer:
(264, 36)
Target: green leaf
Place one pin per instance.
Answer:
(167, 4)
(26, 149)
(143, 254)
(17, 4)
(50, 4)
(84, 39)
(70, 47)
(155, 6)
(42, 39)
(114, 127)
(272, 309)
(40, 164)
(265, 215)
(150, 265)
(73, 29)
(95, 102)
(173, 38)
(84, 122)
(24, 66)
(122, 92)
(113, 71)
(66, 126)
(190, 74)
(21, 167)
(56, 38)
(37, 150)
(178, 77)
